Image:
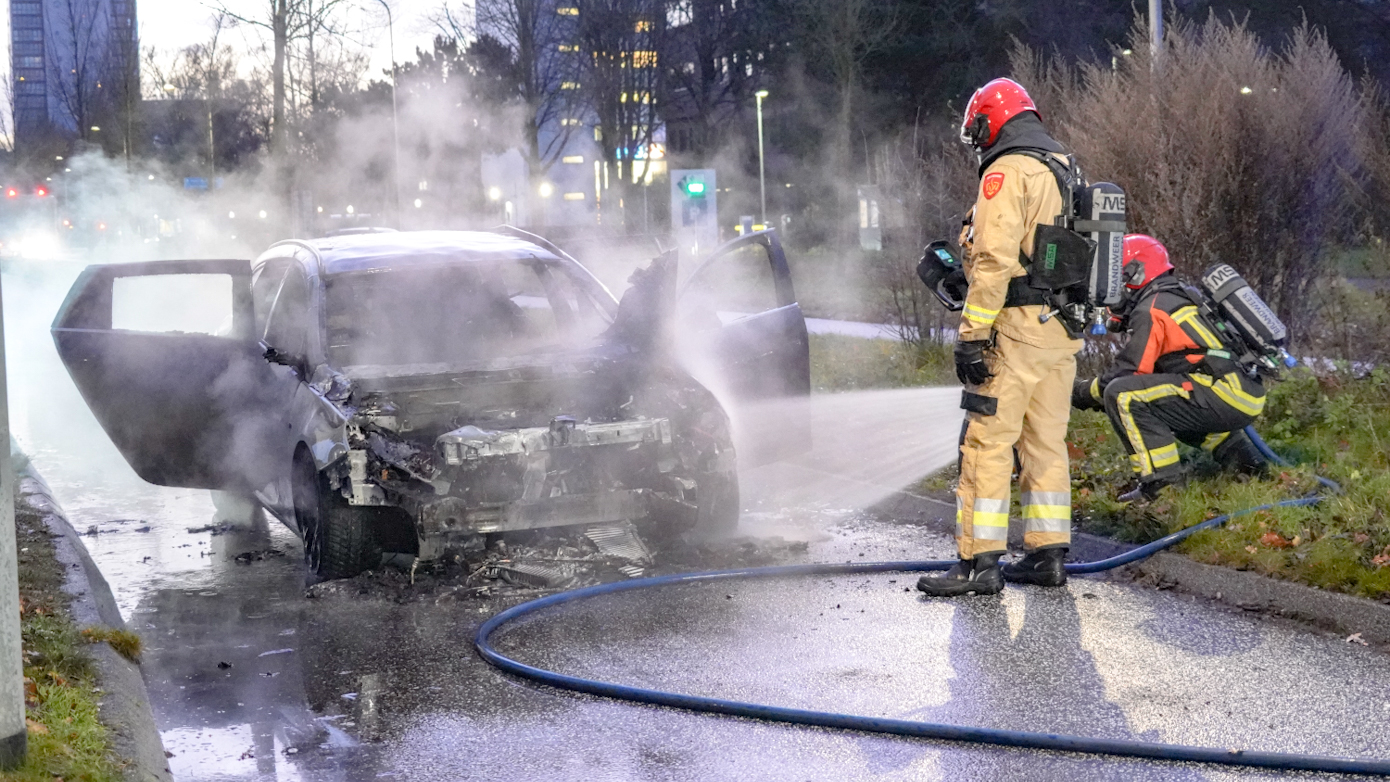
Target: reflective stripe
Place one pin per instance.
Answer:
(1230, 391)
(1140, 458)
(1047, 511)
(1046, 498)
(1136, 462)
(980, 314)
(960, 524)
(1062, 525)
(1214, 440)
(991, 533)
(1095, 390)
(1162, 457)
(990, 521)
(1188, 316)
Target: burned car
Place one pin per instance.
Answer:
(415, 390)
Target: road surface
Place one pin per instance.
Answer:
(252, 680)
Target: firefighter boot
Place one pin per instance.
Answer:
(1041, 568)
(978, 576)
(1239, 455)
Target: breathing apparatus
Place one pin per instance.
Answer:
(1076, 262)
(1248, 325)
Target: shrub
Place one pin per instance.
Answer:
(1230, 152)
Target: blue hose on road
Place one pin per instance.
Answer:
(929, 730)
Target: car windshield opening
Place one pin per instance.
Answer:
(457, 314)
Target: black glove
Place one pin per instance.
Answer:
(1081, 397)
(971, 369)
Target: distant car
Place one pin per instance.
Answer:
(415, 390)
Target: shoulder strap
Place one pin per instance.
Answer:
(1068, 176)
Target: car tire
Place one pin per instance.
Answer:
(339, 539)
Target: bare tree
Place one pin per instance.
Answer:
(711, 56)
(841, 35)
(287, 21)
(621, 80)
(546, 64)
(78, 53)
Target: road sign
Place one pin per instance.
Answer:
(695, 209)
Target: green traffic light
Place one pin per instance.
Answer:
(695, 188)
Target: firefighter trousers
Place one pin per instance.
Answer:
(1024, 407)
(1152, 413)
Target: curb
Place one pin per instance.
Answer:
(125, 703)
(1332, 611)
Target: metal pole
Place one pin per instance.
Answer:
(395, 114)
(762, 177)
(1155, 32)
(14, 735)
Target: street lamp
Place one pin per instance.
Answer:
(395, 121)
(762, 171)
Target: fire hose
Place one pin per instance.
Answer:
(916, 729)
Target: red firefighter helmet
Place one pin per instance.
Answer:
(989, 108)
(1145, 258)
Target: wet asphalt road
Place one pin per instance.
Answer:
(251, 680)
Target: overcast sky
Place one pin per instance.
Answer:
(172, 24)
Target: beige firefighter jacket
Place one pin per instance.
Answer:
(1016, 194)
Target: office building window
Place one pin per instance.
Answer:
(28, 35)
(29, 61)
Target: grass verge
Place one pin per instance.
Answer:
(1332, 424)
(841, 363)
(66, 739)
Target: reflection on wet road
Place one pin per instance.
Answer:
(252, 680)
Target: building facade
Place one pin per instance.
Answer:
(74, 65)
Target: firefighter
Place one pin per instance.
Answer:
(1016, 365)
(1175, 380)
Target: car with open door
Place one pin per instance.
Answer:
(419, 389)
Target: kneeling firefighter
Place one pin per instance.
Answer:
(1184, 374)
(1016, 358)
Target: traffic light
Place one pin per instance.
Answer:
(695, 207)
(11, 192)
(41, 191)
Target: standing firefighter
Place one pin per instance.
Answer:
(1017, 362)
(1175, 380)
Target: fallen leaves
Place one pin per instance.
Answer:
(1382, 559)
(35, 727)
(1075, 451)
(1273, 539)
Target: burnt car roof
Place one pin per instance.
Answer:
(394, 250)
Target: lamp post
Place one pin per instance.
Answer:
(762, 176)
(395, 118)
(1155, 33)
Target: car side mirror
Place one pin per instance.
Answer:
(299, 364)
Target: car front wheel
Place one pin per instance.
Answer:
(339, 539)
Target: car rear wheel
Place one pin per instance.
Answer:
(339, 539)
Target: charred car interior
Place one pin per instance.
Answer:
(413, 391)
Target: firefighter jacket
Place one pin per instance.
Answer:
(1167, 335)
(1016, 194)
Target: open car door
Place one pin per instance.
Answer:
(742, 334)
(164, 355)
